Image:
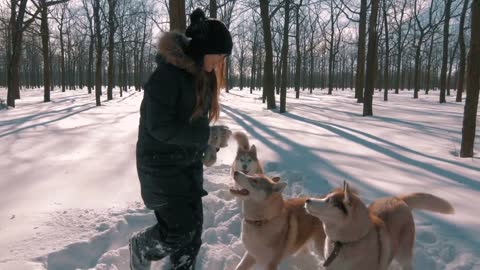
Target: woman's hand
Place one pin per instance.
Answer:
(219, 136)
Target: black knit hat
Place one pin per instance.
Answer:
(209, 36)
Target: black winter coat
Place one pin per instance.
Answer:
(170, 145)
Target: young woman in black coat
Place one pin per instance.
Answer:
(175, 139)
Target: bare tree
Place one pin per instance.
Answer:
(443, 72)
(362, 29)
(401, 39)
(371, 60)
(255, 50)
(112, 26)
(60, 19)
(429, 63)
(16, 28)
(473, 85)
(213, 8)
(387, 51)
(91, 48)
(461, 43)
(178, 20)
(424, 31)
(284, 58)
(298, 58)
(99, 48)
(268, 67)
(45, 33)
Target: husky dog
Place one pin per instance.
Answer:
(246, 159)
(370, 238)
(273, 228)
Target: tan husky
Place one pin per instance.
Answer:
(273, 228)
(246, 160)
(370, 238)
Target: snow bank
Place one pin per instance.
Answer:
(70, 198)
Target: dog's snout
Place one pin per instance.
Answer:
(244, 167)
(308, 201)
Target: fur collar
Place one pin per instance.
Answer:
(171, 48)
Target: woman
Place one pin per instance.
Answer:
(180, 100)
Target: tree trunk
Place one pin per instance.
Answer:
(443, 72)
(283, 89)
(227, 72)
(268, 67)
(473, 85)
(462, 64)
(298, 62)
(90, 64)
(417, 66)
(178, 19)
(111, 46)
(359, 81)
(98, 71)
(259, 70)
(142, 53)
(242, 60)
(371, 60)
(16, 25)
(429, 65)
(449, 75)
(254, 62)
(400, 49)
(62, 54)
(331, 57)
(45, 51)
(387, 51)
(278, 74)
(312, 64)
(213, 8)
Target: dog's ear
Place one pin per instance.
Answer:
(346, 192)
(279, 187)
(253, 150)
(276, 179)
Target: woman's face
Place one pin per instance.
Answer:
(212, 61)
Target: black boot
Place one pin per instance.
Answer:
(185, 257)
(137, 256)
(146, 246)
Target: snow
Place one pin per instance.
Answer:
(70, 199)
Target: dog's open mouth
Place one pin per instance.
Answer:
(242, 192)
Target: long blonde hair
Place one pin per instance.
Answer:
(214, 82)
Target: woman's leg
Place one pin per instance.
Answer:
(177, 232)
(185, 257)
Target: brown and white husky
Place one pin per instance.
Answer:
(361, 238)
(246, 160)
(273, 228)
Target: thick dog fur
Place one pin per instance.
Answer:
(370, 238)
(273, 228)
(246, 159)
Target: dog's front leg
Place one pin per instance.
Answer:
(246, 263)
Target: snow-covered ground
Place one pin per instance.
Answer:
(69, 195)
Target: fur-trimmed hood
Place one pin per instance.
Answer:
(172, 46)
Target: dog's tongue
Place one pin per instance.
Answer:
(243, 192)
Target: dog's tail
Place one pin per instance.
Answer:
(242, 140)
(428, 202)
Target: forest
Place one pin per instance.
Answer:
(304, 45)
